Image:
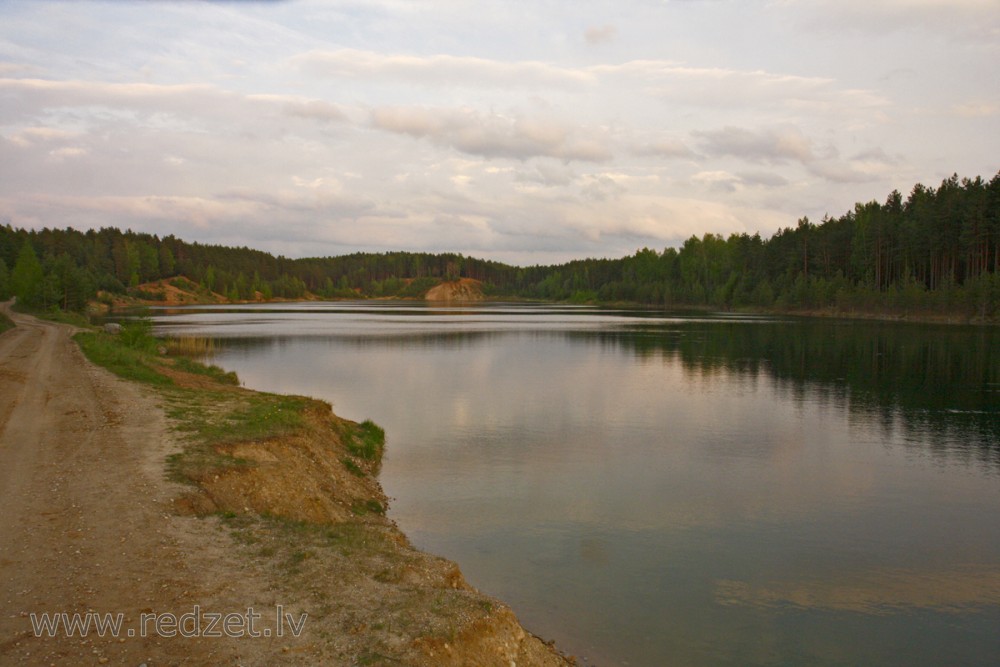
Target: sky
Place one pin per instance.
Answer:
(526, 132)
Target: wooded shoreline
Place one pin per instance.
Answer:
(934, 254)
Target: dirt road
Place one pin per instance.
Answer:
(85, 524)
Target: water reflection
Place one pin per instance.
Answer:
(667, 490)
(939, 379)
(918, 379)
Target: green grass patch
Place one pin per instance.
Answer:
(352, 467)
(366, 441)
(209, 370)
(127, 362)
(5, 323)
(258, 417)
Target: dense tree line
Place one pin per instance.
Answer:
(937, 250)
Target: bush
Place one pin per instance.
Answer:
(137, 333)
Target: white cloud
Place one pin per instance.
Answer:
(546, 172)
(437, 69)
(976, 109)
(726, 87)
(769, 145)
(29, 136)
(68, 152)
(789, 145)
(719, 181)
(665, 148)
(769, 179)
(493, 135)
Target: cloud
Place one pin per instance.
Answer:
(317, 197)
(841, 172)
(726, 182)
(665, 148)
(976, 19)
(602, 187)
(437, 69)
(718, 181)
(769, 146)
(77, 105)
(192, 212)
(68, 152)
(726, 87)
(30, 136)
(180, 104)
(662, 79)
(600, 34)
(304, 107)
(767, 179)
(788, 145)
(492, 135)
(547, 173)
(976, 109)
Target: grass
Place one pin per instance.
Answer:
(5, 323)
(123, 360)
(208, 370)
(366, 441)
(258, 417)
(211, 414)
(55, 314)
(190, 346)
(352, 467)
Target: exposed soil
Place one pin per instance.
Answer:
(90, 523)
(177, 291)
(463, 289)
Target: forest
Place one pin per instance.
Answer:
(935, 252)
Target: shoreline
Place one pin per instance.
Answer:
(293, 488)
(466, 291)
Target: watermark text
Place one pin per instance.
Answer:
(195, 623)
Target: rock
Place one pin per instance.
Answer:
(112, 328)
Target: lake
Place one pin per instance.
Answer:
(651, 488)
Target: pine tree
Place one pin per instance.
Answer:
(27, 279)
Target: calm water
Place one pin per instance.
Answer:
(657, 490)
